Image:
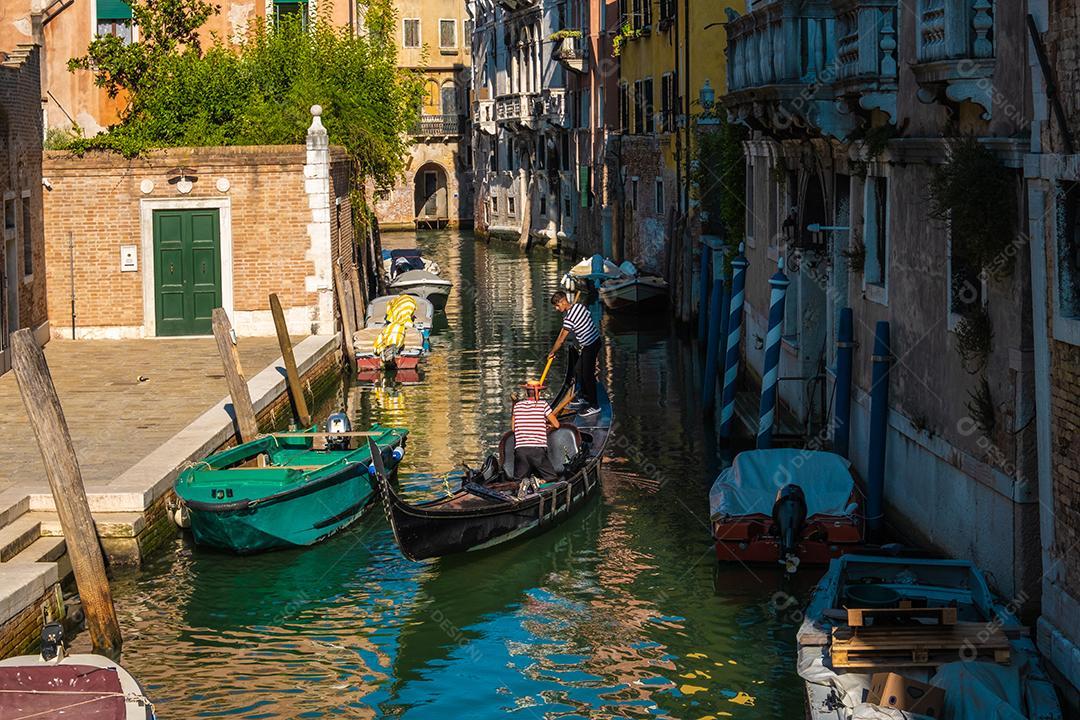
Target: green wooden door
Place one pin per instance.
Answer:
(187, 270)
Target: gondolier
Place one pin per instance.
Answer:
(530, 419)
(586, 336)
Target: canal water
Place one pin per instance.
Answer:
(619, 612)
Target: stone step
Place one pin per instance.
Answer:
(18, 535)
(44, 549)
(109, 525)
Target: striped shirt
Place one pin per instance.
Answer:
(579, 321)
(530, 423)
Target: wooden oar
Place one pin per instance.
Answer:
(565, 401)
(543, 376)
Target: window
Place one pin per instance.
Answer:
(27, 242)
(633, 193)
(642, 14)
(876, 231)
(749, 231)
(9, 216)
(667, 102)
(543, 205)
(566, 154)
(410, 32)
(494, 203)
(448, 34)
(660, 197)
(113, 18)
(624, 108)
(1068, 250)
(286, 10)
(510, 154)
(639, 108)
(510, 205)
(468, 27)
(966, 290)
(667, 10)
(649, 106)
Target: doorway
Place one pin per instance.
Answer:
(187, 270)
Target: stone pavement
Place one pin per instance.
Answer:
(122, 399)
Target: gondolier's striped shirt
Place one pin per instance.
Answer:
(579, 321)
(530, 423)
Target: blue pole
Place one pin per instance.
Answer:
(712, 350)
(731, 362)
(597, 278)
(705, 309)
(771, 372)
(879, 426)
(845, 343)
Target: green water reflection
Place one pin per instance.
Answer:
(619, 612)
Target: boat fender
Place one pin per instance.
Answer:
(182, 517)
(399, 452)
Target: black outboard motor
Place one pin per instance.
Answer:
(337, 425)
(789, 519)
(52, 642)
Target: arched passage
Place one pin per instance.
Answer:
(432, 207)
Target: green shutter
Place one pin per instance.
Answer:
(583, 183)
(113, 10)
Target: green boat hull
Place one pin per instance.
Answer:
(300, 497)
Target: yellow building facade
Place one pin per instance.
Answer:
(667, 51)
(434, 37)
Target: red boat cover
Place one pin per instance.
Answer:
(61, 692)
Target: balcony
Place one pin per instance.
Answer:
(866, 58)
(572, 53)
(515, 5)
(438, 126)
(554, 106)
(782, 61)
(520, 108)
(484, 116)
(955, 52)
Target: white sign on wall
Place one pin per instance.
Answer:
(129, 260)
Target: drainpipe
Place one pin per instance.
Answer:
(845, 345)
(731, 362)
(771, 370)
(879, 426)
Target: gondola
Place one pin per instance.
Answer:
(485, 512)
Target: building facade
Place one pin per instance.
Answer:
(1053, 218)
(22, 249)
(852, 106)
(434, 37)
(539, 117)
(669, 50)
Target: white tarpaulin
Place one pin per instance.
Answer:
(750, 485)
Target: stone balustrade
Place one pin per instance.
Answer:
(781, 43)
(954, 30)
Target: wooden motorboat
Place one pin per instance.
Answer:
(408, 356)
(284, 489)
(786, 505)
(485, 511)
(55, 685)
(632, 290)
(396, 262)
(932, 624)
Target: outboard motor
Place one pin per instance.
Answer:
(337, 424)
(52, 642)
(789, 519)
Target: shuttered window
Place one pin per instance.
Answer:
(411, 32)
(114, 18)
(448, 33)
(290, 8)
(649, 104)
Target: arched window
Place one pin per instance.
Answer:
(431, 97)
(449, 98)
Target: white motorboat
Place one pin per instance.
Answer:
(632, 290)
(55, 685)
(422, 284)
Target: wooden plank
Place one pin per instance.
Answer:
(247, 427)
(358, 296)
(347, 327)
(65, 480)
(857, 617)
(296, 390)
(927, 646)
(326, 434)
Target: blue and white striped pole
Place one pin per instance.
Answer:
(771, 372)
(731, 362)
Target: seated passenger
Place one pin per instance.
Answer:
(530, 420)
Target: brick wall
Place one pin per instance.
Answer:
(20, 184)
(97, 203)
(645, 239)
(397, 208)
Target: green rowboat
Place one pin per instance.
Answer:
(284, 489)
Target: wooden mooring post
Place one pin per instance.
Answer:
(296, 390)
(347, 327)
(247, 426)
(65, 480)
(359, 300)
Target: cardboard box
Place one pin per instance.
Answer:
(896, 691)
